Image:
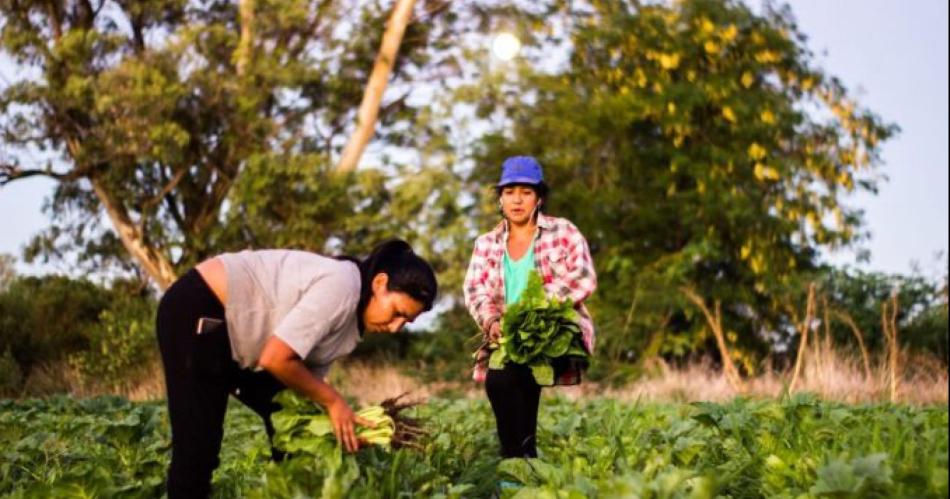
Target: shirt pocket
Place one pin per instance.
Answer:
(556, 261)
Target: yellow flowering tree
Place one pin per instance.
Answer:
(698, 147)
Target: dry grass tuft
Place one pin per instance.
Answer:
(829, 373)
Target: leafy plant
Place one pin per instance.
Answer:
(303, 427)
(798, 447)
(536, 330)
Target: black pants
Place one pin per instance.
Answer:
(514, 396)
(199, 376)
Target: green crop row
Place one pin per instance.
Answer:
(800, 447)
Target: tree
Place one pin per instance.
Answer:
(152, 111)
(373, 95)
(7, 270)
(697, 147)
(856, 296)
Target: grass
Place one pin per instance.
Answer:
(828, 373)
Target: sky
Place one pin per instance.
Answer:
(891, 54)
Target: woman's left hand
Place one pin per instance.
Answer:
(494, 332)
(281, 361)
(344, 422)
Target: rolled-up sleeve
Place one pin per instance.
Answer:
(476, 290)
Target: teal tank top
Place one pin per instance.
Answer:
(516, 274)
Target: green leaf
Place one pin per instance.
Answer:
(543, 373)
(497, 359)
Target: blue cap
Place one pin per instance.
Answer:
(520, 170)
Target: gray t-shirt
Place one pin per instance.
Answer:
(307, 300)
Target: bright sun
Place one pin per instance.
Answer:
(505, 46)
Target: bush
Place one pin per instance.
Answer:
(446, 351)
(52, 319)
(122, 342)
(928, 332)
(11, 378)
(43, 319)
(442, 352)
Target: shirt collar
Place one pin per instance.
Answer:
(544, 222)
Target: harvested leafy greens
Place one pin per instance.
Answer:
(536, 330)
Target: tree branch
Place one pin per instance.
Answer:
(715, 324)
(138, 36)
(56, 21)
(431, 12)
(369, 108)
(167, 189)
(243, 53)
(152, 260)
(10, 172)
(847, 319)
(176, 214)
(803, 330)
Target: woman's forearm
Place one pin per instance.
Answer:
(284, 364)
(281, 361)
(295, 375)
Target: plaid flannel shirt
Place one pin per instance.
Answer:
(563, 260)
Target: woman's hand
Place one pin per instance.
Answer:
(344, 422)
(280, 360)
(494, 332)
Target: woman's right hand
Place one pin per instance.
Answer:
(494, 332)
(344, 422)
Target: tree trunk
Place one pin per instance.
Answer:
(373, 95)
(860, 337)
(242, 55)
(715, 324)
(803, 330)
(889, 324)
(152, 261)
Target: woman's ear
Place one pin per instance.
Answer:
(380, 283)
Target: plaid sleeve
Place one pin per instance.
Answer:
(580, 280)
(477, 291)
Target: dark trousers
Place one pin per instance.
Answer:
(199, 375)
(514, 396)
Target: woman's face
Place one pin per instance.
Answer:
(518, 203)
(389, 311)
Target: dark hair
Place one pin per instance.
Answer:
(541, 189)
(408, 273)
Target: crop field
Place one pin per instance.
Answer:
(799, 447)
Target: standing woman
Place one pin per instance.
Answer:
(250, 324)
(525, 240)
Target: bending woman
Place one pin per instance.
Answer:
(250, 324)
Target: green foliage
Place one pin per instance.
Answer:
(106, 332)
(302, 427)
(11, 377)
(62, 447)
(444, 353)
(922, 311)
(695, 144)
(928, 332)
(144, 109)
(799, 447)
(42, 319)
(121, 343)
(536, 330)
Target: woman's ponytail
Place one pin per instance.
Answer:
(408, 272)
